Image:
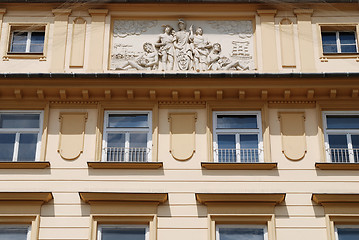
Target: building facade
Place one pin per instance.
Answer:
(150, 120)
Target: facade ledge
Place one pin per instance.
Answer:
(238, 166)
(89, 197)
(43, 197)
(337, 166)
(274, 198)
(125, 165)
(24, 165)
(321, 198)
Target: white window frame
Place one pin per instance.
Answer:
(343, 226)
(106, 131)
(238, 132)
(347, 132)
(28, 235)
(123, 226)
(28, 40)
(264, 227)
(339, 49)
(18, 131)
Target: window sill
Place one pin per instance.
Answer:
(238, 166)
(125, 165)
(24, 165)
(337, 166)
(9, 56)
(325, 57)
(320, 198)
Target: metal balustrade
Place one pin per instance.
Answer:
(244, 155)
(343, 155)
(119, 154)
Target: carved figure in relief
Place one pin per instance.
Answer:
(200, 47)
(166, 48)
(182, 46)
(218, 62)
(146, 61)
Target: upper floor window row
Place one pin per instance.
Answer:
(27, 40)
(339, 39)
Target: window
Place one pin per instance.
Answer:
(123, 232)
(237, 137)
(15, 232)
(240, 231)
(29, 39)
(127, 137)
(339, 39)
(342, 136)
(347, 232)
(20, 136)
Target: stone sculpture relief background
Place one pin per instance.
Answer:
(182, 45)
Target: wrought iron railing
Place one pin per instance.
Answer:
(343, 155)
(244, 155)
(120, 154)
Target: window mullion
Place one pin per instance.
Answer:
(238, 148)
(16, 147)
(350, 148)
(127, 146)
(28, 42)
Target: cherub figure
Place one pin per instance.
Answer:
(200, 49)
(146, 61)
(166, 48)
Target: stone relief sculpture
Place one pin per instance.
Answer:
(213, 46)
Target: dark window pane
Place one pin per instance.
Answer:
(27, 147)
(348, 48)
(128, 120)
(355, 143)
(13, 233)
(338, 148)
(241, 234)
(343, 122)
(123, 234)
(347, 37)
(37, 38)
(18, 48)
(36, 48)
(227, 148)
(18, 42)
(237, 121)
(329, 38)
(330, 49)
(249, 147)
(7, 141)
(138, 147)
(19, 120)
(116, 147)
(348, 233)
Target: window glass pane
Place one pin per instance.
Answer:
(116, 147)
(128, 120)
(123, 233)
(348, 233)
(355, 143)
(249, 147)
(329, 38)
(19, 42)
(19, 120)
(347, 37)
(7, 141)
(343, 122)
(37, 42)
(237, 121)
(138, 147)
(348, 48)
(330, 49)
(338, 148)
(13, 233)
(27, 147)
(241, 233)
(226, 148)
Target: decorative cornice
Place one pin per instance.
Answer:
(321, 198)
(89, 197)
(267, 12)
(292, 102)
(63, 11)
(98, 11)
(44, 197)
(182, 103)
(303, 11)
(74, 102)
(274, 198)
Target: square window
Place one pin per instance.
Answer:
(127, 136)
(339, 41)
(15, 232)
(342, 136)
(241, 231)
(20, 136)
(123, 232)
(27, 40)
(237, 137)
(347, 232)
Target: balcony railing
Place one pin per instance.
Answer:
(118, 154)
(344, 155)
(244, 155)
